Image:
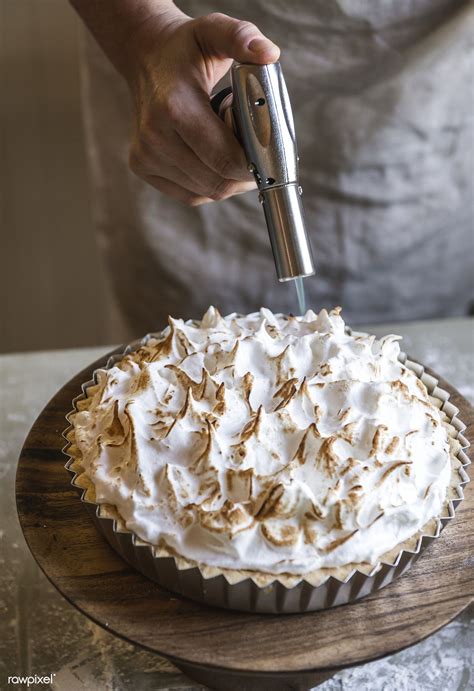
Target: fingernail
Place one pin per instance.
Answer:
(261, 45)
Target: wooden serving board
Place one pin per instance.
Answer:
(220, 648)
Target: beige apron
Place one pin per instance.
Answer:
(382, 95)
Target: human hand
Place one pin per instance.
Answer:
(179, 145)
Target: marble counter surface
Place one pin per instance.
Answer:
(40, 633)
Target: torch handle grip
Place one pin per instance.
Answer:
(257, 107)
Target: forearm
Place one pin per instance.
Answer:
(115, 23)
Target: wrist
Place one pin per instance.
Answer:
(145, 38)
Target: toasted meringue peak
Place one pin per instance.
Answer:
(266, 442)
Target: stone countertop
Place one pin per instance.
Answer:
(42, 634)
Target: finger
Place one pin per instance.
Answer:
(172, 159)
(154, 163)
(177, 152)
(212, 141)
(186, 196)
(176, 191)
(226, 37)
(223, 190)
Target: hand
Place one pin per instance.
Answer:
(179, 145)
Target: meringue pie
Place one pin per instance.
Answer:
(266, 443)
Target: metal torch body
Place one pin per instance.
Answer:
(263, 122)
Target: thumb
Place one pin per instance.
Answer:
(225, 37)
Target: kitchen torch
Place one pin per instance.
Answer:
(260, 114)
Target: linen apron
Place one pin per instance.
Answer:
(382, 95)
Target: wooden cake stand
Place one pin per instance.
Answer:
(219, 648)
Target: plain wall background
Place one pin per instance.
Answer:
(53, 292)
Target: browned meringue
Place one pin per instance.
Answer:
(268, 443)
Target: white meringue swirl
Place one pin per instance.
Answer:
(264, 442)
